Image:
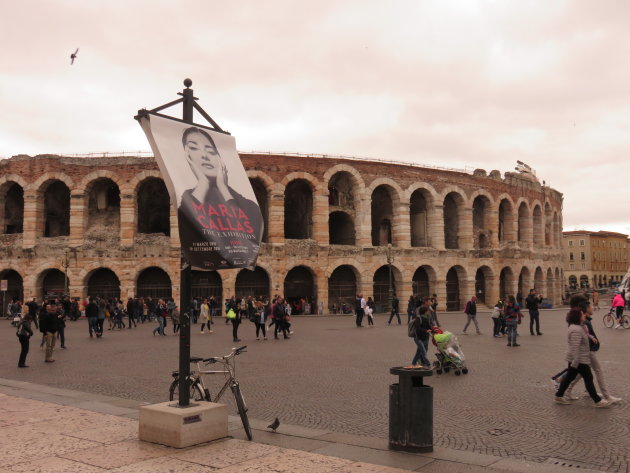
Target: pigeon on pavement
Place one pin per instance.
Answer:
(274, 425)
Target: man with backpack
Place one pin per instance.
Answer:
(471, 312)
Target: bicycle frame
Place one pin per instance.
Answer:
(229, 371)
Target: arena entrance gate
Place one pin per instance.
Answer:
(299, 290)
(252, 283)
(154, 283)
(104, 283)
(342, 290)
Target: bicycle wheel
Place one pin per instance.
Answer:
(609, 320)
(242, 409)
(196, 393)
(625, 321)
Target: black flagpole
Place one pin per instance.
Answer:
(185, 288)
(185, 292)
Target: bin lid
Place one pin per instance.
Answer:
(409, 371)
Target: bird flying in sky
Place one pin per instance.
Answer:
(73, 56)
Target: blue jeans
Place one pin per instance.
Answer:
(511, 331)
(92, 325)
(160, 328)
(421, 353)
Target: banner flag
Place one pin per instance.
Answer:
(220, 223)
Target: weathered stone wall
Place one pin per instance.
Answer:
(126, 252)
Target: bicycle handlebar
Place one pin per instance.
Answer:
(235, 351)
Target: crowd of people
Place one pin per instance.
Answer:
(51, 315)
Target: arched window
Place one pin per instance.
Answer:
(154, 207)
(298, 210)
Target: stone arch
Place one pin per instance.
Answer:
(345, 188)
(154, 282)
(538, 226)
(455, 288)
(358, 179)
(505, 214)
(300, 287)
(298, 209)
(255, 283)
(384, 199)
(453, 209)
(54, 201)
(43, 181)
(423, 281)
(11, 207)
(421, 209)
(15, 287)
(206, 284)
(313, 182)
(88, 180)
(153, 206)
(341, 229)
(51, 282)
(343, 287)
(484, 280)
(102, 207)
(102, 282)
(380, 286)
(482, 205)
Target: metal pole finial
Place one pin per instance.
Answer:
(187, 83)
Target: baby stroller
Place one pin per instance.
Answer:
(449, 354)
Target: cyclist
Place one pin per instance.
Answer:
(618, 303)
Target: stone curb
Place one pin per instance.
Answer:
(351, 447)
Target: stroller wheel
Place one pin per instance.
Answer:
(457, 372)
(438, 371)
(465, 370)
(446, 369)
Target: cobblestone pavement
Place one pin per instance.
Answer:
(334, 376)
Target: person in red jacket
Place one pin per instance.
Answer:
(618, 303)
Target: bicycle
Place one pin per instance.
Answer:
(610, 318)
(199, 391)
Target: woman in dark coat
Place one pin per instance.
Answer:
(24, 334)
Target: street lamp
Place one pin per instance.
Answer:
(390, 260)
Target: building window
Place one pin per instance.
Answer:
(571, 266)
(583, 266)
(571, 256)
(570, 242)
(582, 256)
(581, 242)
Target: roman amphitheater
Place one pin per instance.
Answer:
(334, 227)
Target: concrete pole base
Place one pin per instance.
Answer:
(168, 424)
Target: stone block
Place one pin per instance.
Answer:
(168, 424)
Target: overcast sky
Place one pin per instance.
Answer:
(448, 83)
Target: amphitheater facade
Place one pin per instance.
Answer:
(334, 227)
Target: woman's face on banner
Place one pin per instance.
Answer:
(202, 156)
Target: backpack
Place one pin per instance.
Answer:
(411, 327)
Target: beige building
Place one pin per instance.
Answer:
(105, 226)
(595, 259)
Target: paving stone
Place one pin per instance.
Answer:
(55, 465)
(163, 465)
(223, 453)
(288, 461)
(118, 454)
(378, 457)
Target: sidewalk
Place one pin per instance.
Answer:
(50, 430)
